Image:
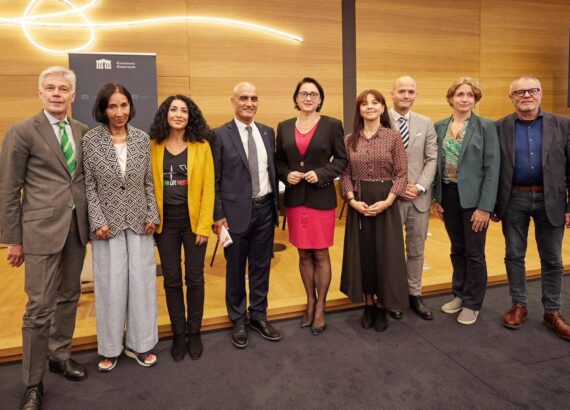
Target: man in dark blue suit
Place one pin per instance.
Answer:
(246, 205)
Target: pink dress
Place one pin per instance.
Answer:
(310, 228)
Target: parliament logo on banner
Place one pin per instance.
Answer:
(137, 72)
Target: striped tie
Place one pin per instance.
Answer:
(404, 131)
(67, 148)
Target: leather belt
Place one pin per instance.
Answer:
(260, 200)
(529, 188)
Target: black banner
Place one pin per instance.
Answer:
(137, 72)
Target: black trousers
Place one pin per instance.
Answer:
(255, 247)
(467, 250)
(177, 233)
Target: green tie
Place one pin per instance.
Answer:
(67, 148)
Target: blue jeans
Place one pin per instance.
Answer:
(523, 206)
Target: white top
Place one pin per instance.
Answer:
(264, 185)
(121, 150)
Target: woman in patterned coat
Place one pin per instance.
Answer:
(374, 264)
(123, 215)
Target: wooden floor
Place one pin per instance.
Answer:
(286, 296)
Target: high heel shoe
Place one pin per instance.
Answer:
(381, 322)
(308, 322)
(318, 330)
(368, 316)
(305, 324)
(178, 349)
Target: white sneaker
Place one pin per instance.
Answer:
(467, 316)
(452, 307)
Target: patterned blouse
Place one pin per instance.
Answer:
(379, 158)
(451, 151)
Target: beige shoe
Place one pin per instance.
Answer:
(467, 316)
(452, 307)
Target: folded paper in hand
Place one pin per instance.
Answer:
(225, 238)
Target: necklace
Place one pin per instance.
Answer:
(305, 128)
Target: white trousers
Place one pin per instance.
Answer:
(124, 272)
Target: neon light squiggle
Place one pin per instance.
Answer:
(73, 8)
(27, 21)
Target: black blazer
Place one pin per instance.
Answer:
(555, 164)
(233, 179)
(326, 155)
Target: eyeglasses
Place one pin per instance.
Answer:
(530, 91)
(304, 94)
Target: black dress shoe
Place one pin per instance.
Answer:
(70, 369)
(265, 330)
(32, 399)
(239, 335)
(381, 322)
(417, 305)
(178, 349)
(396, 313)
(195, 347)
(368, 316)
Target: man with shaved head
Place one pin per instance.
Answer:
(420, 142)
(534, 180)
(246, 205)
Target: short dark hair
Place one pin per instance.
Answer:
(316, 84)
(102, 102)
(196, 130)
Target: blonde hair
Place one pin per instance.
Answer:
(473, 83)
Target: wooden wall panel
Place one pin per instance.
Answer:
(221, 56)
(438, 41)
(520, 38)
(202, 60)
(18, 100)
(433, 41)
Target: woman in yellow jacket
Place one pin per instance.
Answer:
(183, 174)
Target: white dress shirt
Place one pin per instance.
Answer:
(262, 162)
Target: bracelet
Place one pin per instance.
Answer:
(351, 200)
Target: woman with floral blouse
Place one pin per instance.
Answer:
(468, 164)
(374, 262)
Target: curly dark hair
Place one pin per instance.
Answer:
(197, 129)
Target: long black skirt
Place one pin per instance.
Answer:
(374, 260)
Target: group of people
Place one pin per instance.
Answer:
(62, 185)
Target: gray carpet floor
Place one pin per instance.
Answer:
(414, 364)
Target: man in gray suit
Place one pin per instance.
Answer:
(420, 141)
(534, 180)
(46, 228)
